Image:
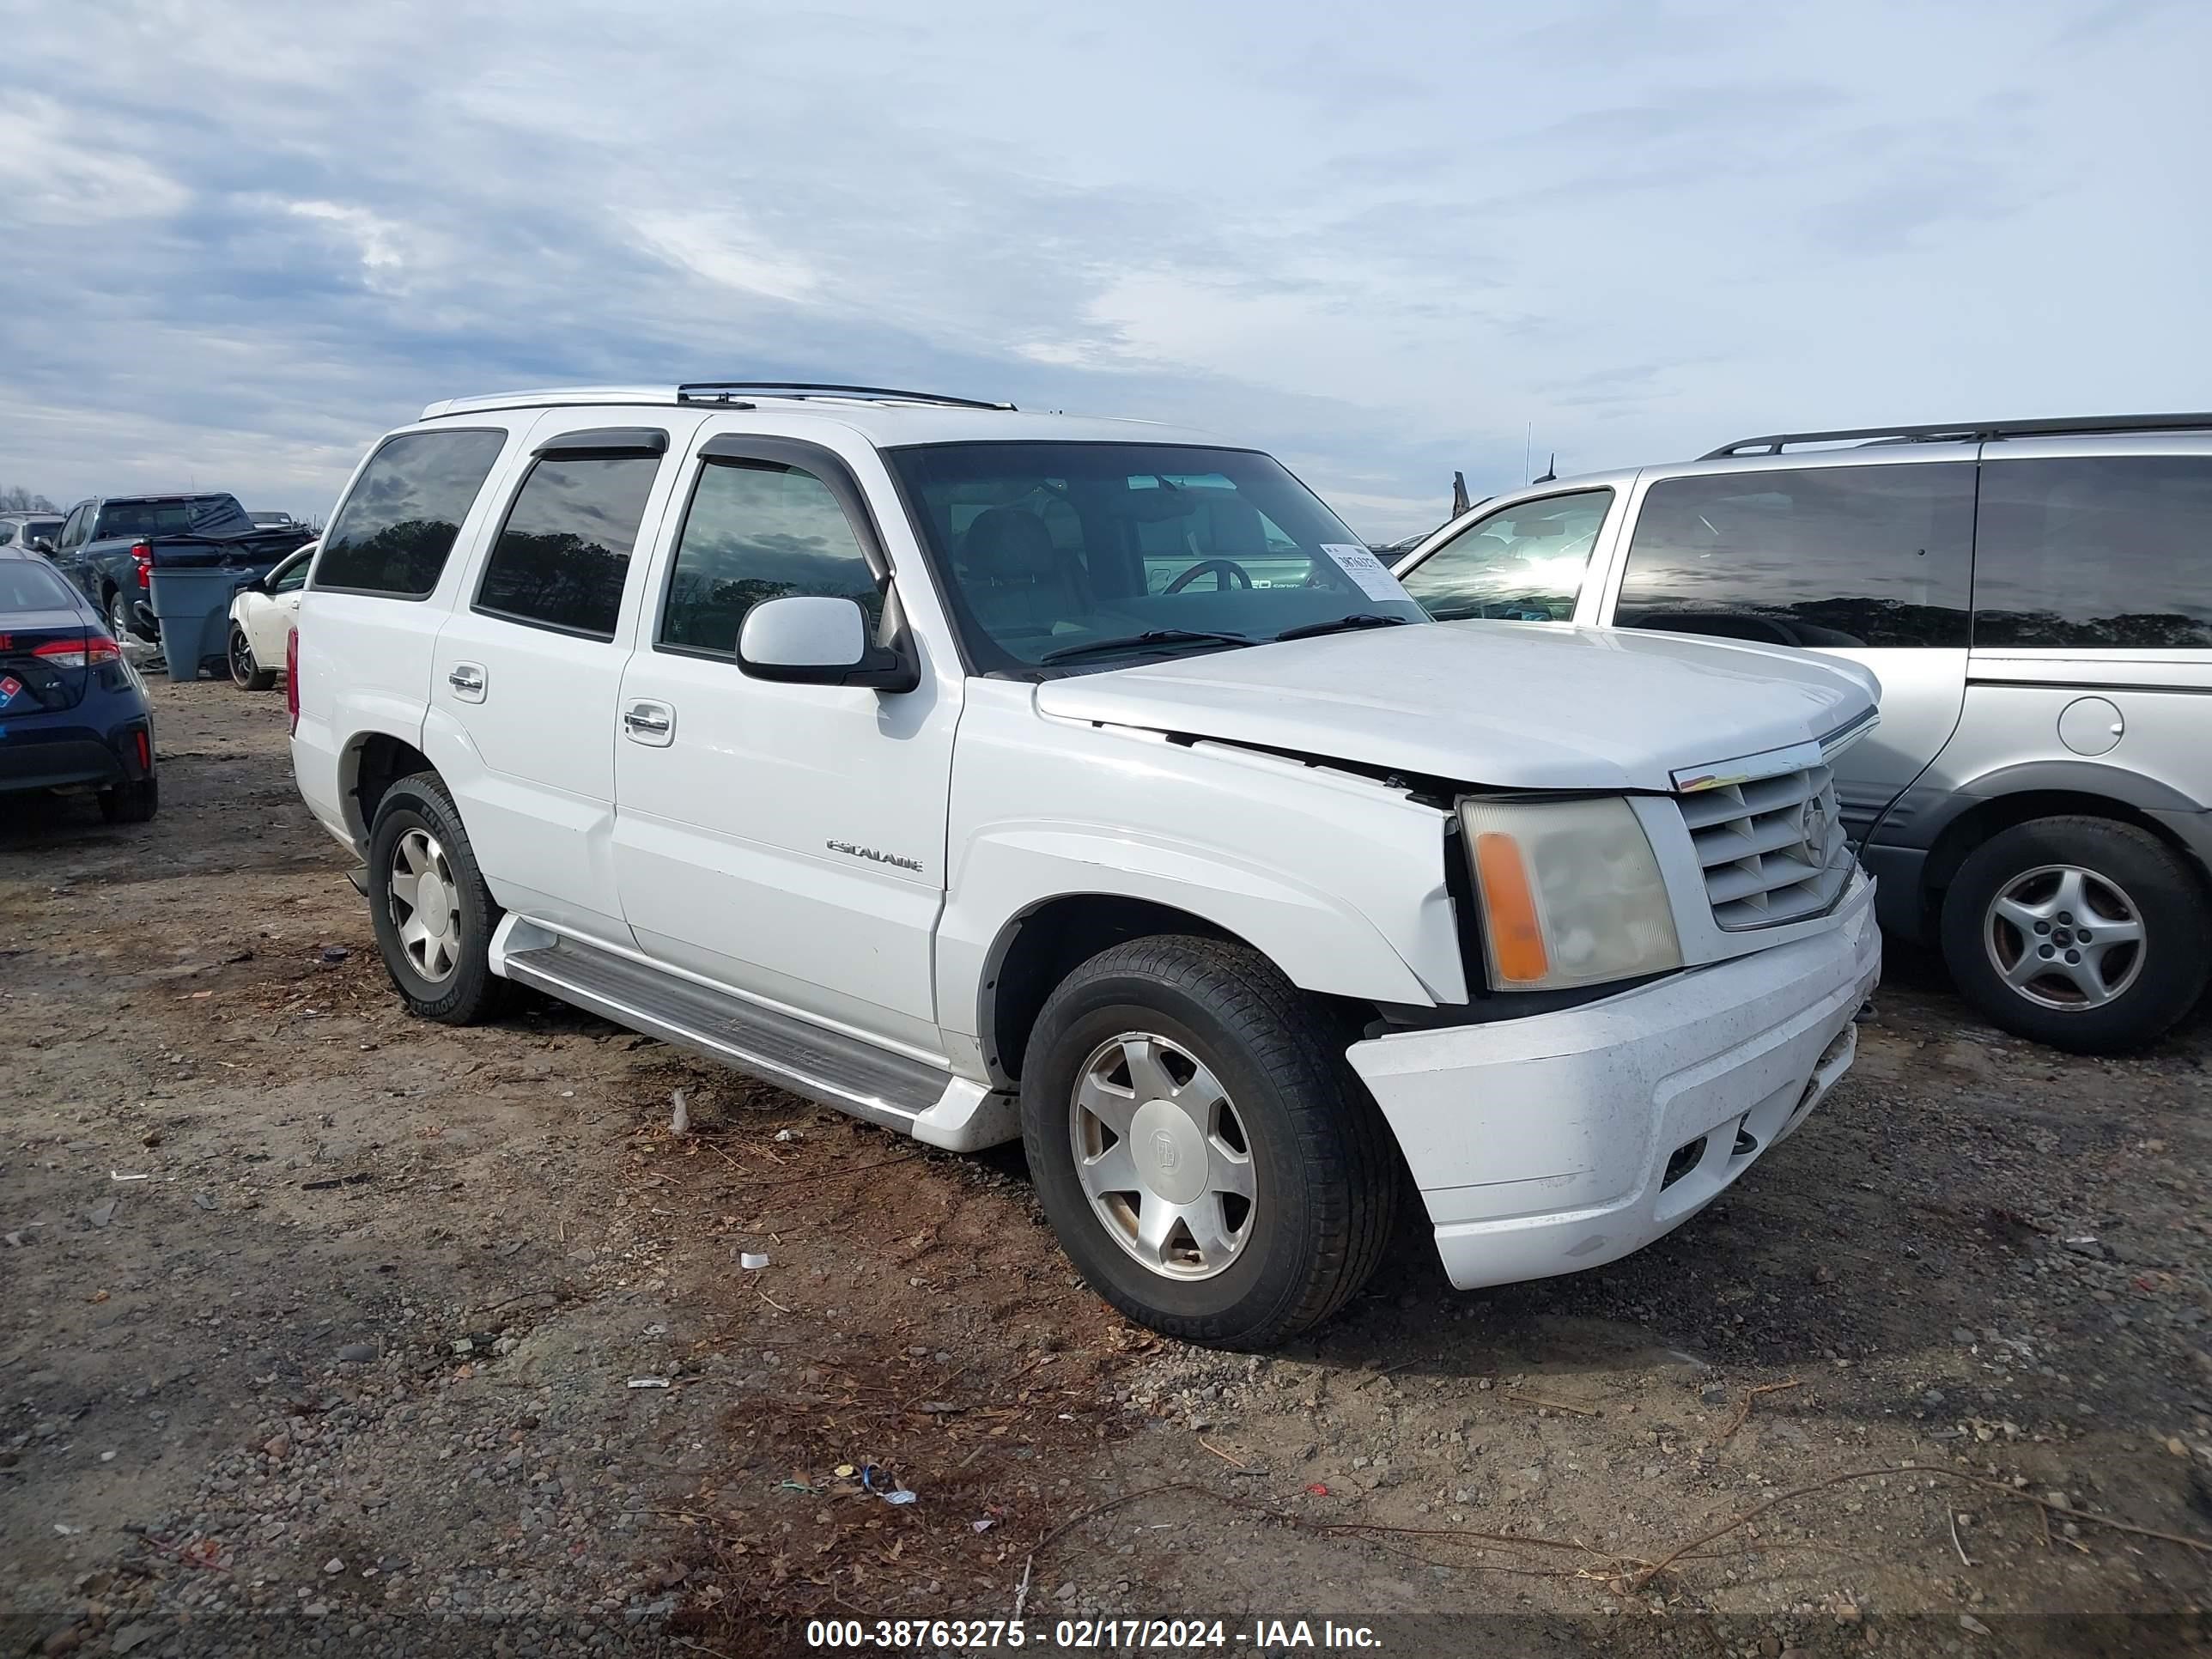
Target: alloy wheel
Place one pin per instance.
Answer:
(1162, 1155)
(2064, 937)
(426, 905)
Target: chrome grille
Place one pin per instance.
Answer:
(1772, 849)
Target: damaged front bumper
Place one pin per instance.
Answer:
(1560, 1141)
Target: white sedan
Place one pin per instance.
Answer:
(261, 618)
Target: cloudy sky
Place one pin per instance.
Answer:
(1385, 240)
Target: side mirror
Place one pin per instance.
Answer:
(40, 544)
(802, 640)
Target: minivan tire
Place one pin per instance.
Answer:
(1316, 1155)
(418, 811)
(2167, 897)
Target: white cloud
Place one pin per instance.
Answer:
(376, 240)
(723, 248)
(55, 175)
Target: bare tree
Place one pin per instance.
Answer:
(16, 499)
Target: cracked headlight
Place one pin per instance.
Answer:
(1571, 893)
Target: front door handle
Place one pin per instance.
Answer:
(467, 681)
(649, 722)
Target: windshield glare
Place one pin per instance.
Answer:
(1044, 547)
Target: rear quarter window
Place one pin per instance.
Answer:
(396, 526)
(2095, 551)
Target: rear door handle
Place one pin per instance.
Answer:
(651, 723)
(467, 681)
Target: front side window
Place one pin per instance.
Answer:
(1520, 563)
(1070, 556)
(565, 547)
(758, 530)
(1833, 556)
(292, 573)
(73, 528)
(398, 523)
(2092, 551)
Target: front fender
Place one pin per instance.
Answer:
(1319, 941)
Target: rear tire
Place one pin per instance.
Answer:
(131, 803)
(119, 618)
(245, 673)
(432, 914)
(1274, 1175)
(2084, 934)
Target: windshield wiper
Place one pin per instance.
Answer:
(1150, 636)
(1358, 619)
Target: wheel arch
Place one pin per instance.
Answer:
(1046, 941)
(2011, 795)
(372, 763)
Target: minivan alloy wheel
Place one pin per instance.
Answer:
(426, 910)
(1162, 1155)
(2064, 937)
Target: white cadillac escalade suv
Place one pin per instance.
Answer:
(988, 774)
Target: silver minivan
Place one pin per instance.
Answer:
(2036, 598)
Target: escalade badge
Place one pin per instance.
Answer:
(874, 857)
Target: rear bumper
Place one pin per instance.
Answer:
(66, 756)
(1562, 1141)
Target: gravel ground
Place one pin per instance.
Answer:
(415, 1340)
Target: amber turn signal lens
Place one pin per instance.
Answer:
(1516, 936)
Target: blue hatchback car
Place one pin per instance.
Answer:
(73, 713)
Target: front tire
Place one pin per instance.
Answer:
(433, 912)
(1209, 1161)
(2081, 932)
(247, 674)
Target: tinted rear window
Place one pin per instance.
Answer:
(565, 547)
(27, 587)
(394, 534)
(1837, 556)
(2095, 552)
(188, 515)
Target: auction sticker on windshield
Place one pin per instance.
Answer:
(1367, 572)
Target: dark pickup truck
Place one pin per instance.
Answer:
(163, 568)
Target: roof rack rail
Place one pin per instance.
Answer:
(1774, 443)
(718, 391)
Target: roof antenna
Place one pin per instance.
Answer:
(1459, 502)
(1551, 471)
(1527, 439)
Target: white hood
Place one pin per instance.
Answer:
(1506, 704)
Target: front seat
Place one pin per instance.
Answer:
(1016, 581)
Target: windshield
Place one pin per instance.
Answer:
(1046, 550)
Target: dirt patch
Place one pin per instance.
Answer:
(353, 1363)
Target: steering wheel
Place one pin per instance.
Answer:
(1226, 574)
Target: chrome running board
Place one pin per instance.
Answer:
(831, 1069)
